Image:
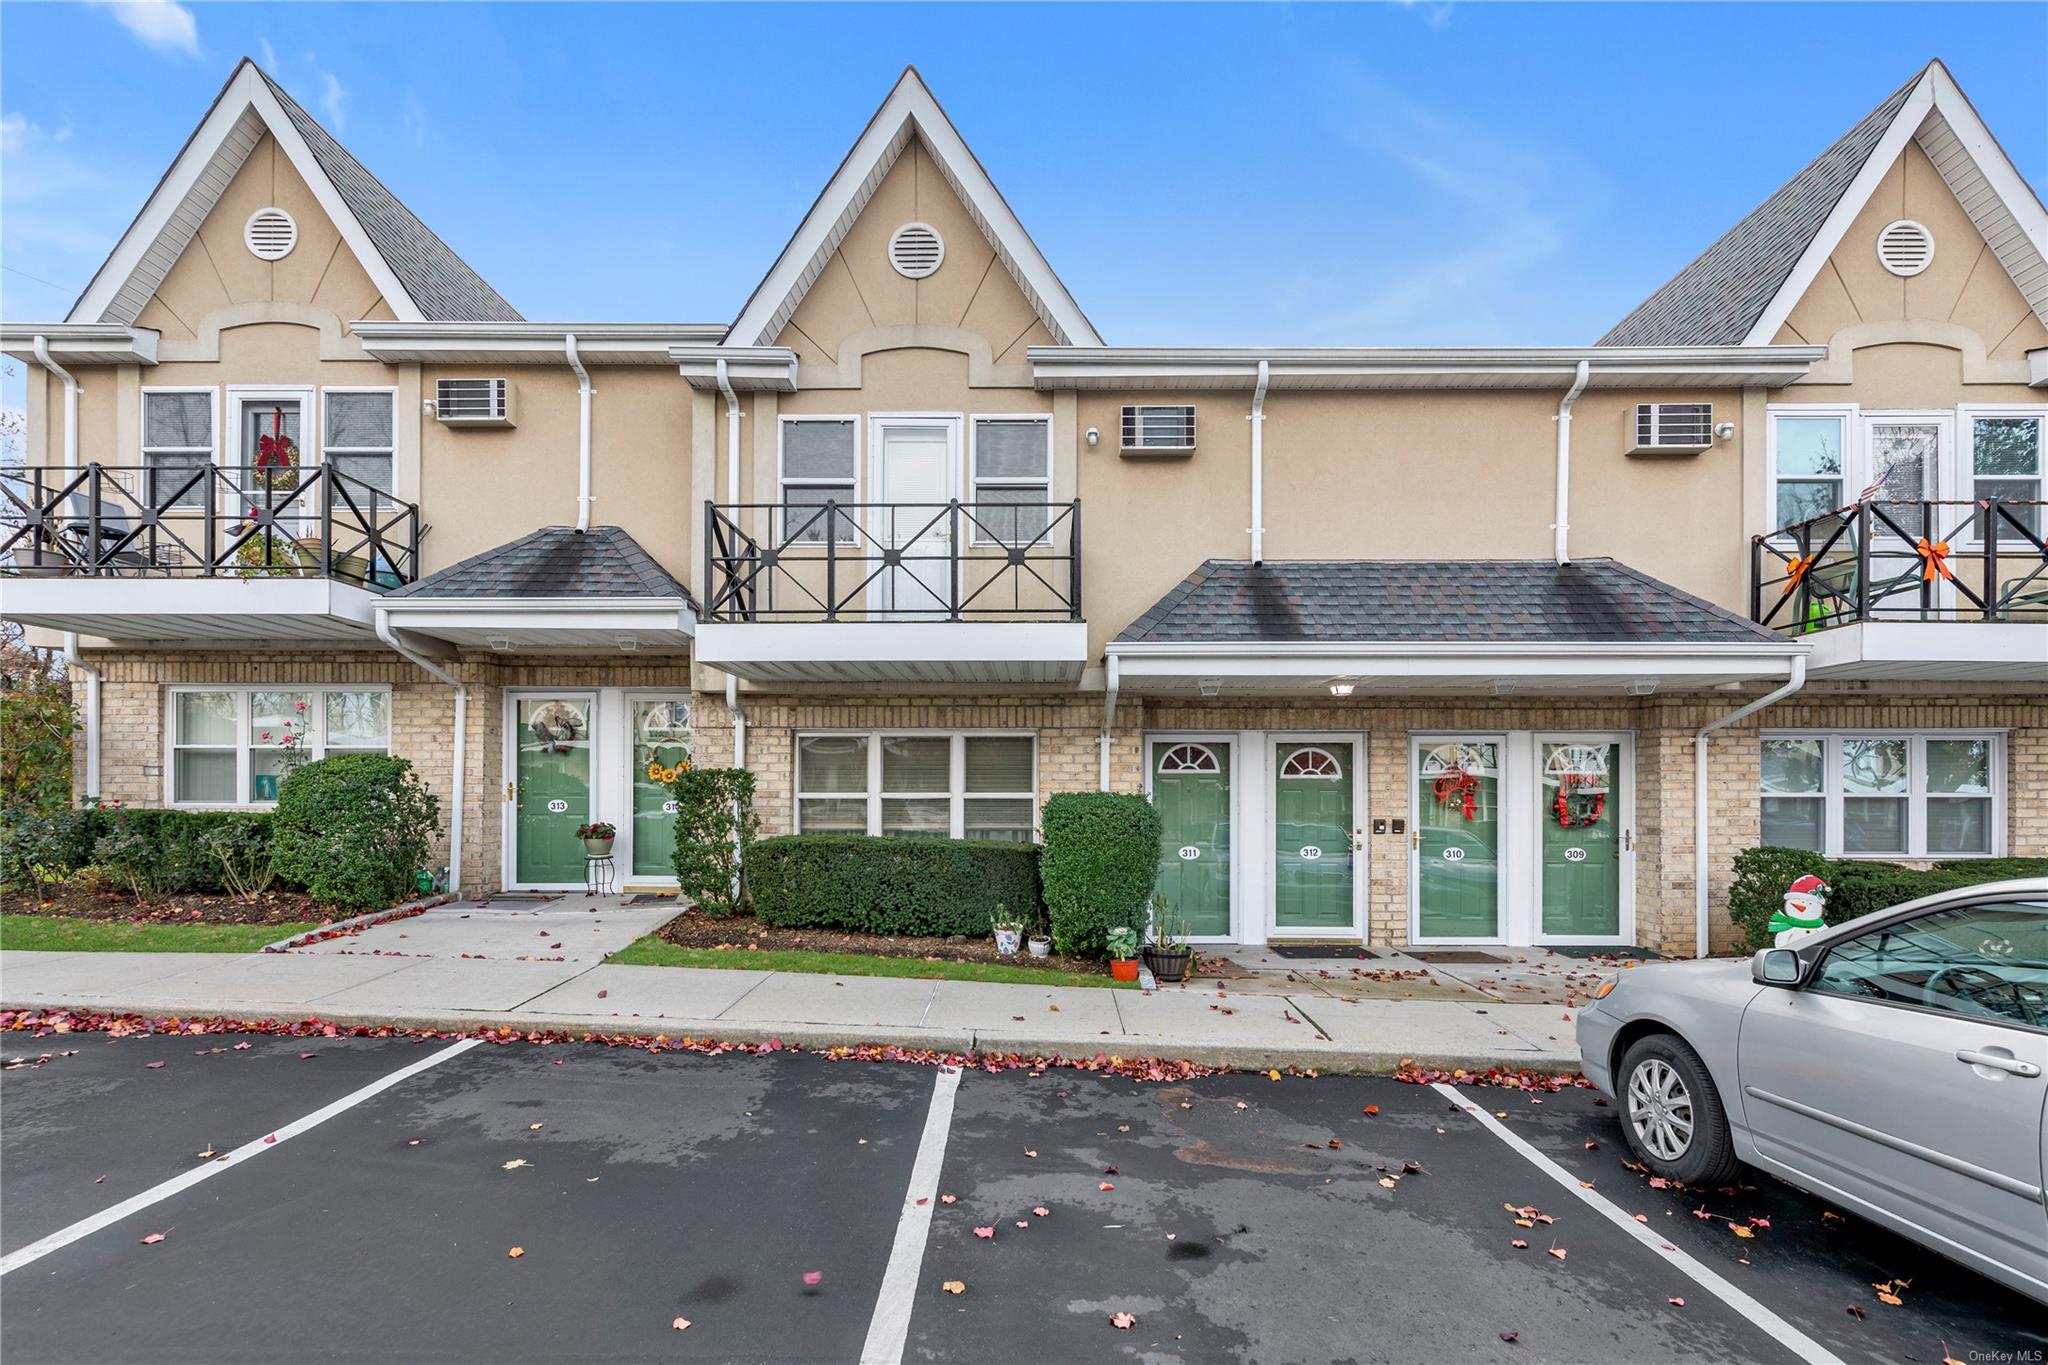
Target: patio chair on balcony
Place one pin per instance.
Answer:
(92, 542)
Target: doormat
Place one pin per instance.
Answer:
(651, 898)
(1319, 950)
(516, 898)
(1582, 951)
(1453, 955)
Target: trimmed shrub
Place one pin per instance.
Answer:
(38, 846)
(1100, 859)
(1758, 892)
(1996, 869)
(715, 829)
(36, 726)
(885, 885)
(353, 829)
(1856, 886)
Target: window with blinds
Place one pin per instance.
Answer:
(926, 785)
(1012, 479)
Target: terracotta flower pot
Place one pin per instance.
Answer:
(1124, 969)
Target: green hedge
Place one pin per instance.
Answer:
(354, 829)
(1856, 887)
(155, 852)
(891, 885)
(1100, 860)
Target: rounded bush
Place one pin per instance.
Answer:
(353, 829)
(1100, 860)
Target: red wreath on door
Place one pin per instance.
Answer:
(1574, 807)
(1460, 788)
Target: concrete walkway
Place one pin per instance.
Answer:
(540, 965)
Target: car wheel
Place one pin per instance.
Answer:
(1672, 1115)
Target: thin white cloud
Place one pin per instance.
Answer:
(413, 119)
(333, 102)
(13, 133)
(268, 54)
(1435, 13)
(163, 24)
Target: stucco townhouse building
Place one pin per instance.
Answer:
(1426, 645)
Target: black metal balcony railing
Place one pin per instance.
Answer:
(208, 521)
(1981, 560)
(836, 561)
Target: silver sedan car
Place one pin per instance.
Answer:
(1892, 1065)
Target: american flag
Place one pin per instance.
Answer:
(1876, 485)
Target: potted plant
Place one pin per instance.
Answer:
(1166, 956)
(1123, 953)
(1009, 931)
(597, 837)
(1040, 942)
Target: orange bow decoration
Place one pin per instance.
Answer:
(1794, 571)
(1934, 559)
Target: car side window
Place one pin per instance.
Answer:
(1986, 962)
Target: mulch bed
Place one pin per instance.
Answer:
(692, 930)
(67, 901)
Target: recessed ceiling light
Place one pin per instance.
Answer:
(1340, 689)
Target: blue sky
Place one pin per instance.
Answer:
(1317, 175)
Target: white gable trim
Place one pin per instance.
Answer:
(1977, 171)
(909, 110)
(208, 162)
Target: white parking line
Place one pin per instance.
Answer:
(156, 1194)
(1788, 1336)
(889, 1329)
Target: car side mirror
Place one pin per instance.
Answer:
(1776, 967)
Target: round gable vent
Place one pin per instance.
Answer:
(916, 250)
(1905, 247)
(270, 234)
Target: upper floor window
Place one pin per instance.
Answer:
(1898, 795)
(820, 464)
(357, 439)
(2006, 460)
(177, 443)
(232, 746)
(1012, 479)
(1809, 461)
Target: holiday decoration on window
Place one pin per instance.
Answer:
(1578, 801)
(277, 457)
(557, 726)
(1458, 788)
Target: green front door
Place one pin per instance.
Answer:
(552, 737)
(1583, 837)
(1191, 788)
(1457, 839)
(661, 741)
(1312, 836)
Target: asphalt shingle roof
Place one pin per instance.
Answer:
(1589, 601)
(555, 561)
(1716, 300)
(444, 285)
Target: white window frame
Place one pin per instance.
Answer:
(1915, 796)
(784, 482)
(389, 497)
(1853, 465)
(316, 744)
(144, 450)
(1043, 421)
(1966, 453)
(956, 793)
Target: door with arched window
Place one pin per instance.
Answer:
(1315, 836)
(1190, 781)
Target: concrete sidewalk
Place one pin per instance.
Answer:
(539, 966)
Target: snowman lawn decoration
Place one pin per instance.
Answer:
(1804, 912)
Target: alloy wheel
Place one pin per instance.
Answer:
(1660, 1109)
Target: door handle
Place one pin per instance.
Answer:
(1997, 1063)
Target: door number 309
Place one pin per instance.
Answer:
(1575, 855)
(557, 806)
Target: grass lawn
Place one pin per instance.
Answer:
(60, 934)
(655, 951)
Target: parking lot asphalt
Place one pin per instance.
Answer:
(642, 1188)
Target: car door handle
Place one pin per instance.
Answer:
(1992, 1059)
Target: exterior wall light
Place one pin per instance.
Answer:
(1340, 689)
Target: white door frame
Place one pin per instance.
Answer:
(878, 424)
(509, 759)
(1944, 479)
(1625, 817)
(233, 456)
(1274, 739)
(1503, 855)
(1228, 740)
(626, 773)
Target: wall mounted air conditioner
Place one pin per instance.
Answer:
(1670, 428)
(473, 402)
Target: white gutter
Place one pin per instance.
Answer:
(455, 778)
(1562, 526)
(73, 661)
(1109, 712)
(583, 392)
(1258, 482)
(1700, 822)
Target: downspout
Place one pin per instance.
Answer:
(1562, 526)
(583, 392)
(1699, 794)
(1109, 710)
(73, 661)
(732, 492)
(1258, 527)
(455, 782)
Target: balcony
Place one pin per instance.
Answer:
(894, 592)
(202, 552)
(1954, 590)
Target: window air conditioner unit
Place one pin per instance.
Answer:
(1158, 428)
(1670, 428)
(473, 402)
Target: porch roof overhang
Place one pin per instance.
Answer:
(80, 343)
(1219, 668)
(897, 651)
(1940, 651)
(529, 343)
(194, 610)
(1429, 367)
(630, 625)
(746, 367)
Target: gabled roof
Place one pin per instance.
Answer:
(420, 276)
(555, 562)
(1523, 601)
(1741, 289)
(909, 111)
